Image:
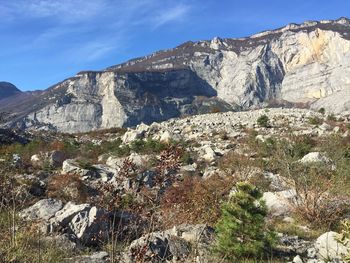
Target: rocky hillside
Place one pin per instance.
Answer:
(157, 193)
(304, 65)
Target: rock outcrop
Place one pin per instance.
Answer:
(297, 65)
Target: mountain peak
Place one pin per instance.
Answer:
(7, 89)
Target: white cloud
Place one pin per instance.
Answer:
(69, 11)
(86, 30)
(175, 13)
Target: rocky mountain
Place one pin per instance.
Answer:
(302, 65)
(7, 90)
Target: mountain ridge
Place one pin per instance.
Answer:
(299, 64)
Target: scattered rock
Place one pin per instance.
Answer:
(71, 166)
(42, 210)
(172, 245)
(98, 257)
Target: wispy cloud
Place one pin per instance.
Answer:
(86, 30)
(175, 13)
(67, 11)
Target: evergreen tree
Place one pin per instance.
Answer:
(241, 229)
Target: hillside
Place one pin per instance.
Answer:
(7, 90)
(155, 193)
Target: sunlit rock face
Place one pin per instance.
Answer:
(307, 64)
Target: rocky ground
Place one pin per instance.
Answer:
(153, 193)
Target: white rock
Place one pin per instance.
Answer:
(166, 137)
(131, 135)
(42, 210)
(315, 157)
(35, 159)
(279, 203)
(65, 215)
(297, 259)
(117, 162)
(209, 154)
(328, 247)
(71, 166)
(90, 225)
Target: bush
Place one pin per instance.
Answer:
(67, 187)
(315, 121)
(331, 117)
(263, 121)
(149, 146)
(241, 230)
(194, 201)
(322, 111)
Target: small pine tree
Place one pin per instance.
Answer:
(263, 121)
(241, 230)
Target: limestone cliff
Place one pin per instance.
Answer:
(307, 64)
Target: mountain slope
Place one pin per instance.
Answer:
(301, 65)
(7, 90)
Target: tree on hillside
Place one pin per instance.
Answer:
(241, 229)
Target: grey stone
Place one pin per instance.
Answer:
(42, 210)
(328, 248)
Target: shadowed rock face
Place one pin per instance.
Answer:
(307, 64)
(7, 90)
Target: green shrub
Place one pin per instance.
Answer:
(147, 147)
(263, 121)
(331, 117)
(301, 146)
(322, 111)
(315, 121)
(241, 229)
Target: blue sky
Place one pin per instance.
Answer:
(45, 41)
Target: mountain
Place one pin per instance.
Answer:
(301, 65)
(7, 90)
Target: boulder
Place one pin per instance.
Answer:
(56, 158)
(209, 154)
(66, 214)
(329, 249)
(90, 226)
(117, 162)
(157, 247)
(132, 135)
(53, 159)
(42, 210)
(297, 259)
(36, 160)
(104, 172)
(174, 245)
(279, 203)
(315, 157)
(71, 166)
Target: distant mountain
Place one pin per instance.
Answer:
(7, 90)
(301, 65)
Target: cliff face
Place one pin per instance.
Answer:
(305, 64)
